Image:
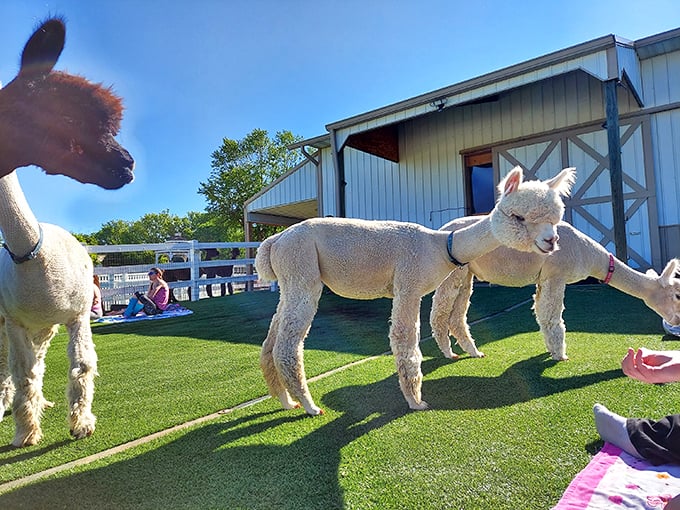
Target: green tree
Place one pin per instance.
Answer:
(114, 232)
(159, 227)
(205, 227)
(240, 169)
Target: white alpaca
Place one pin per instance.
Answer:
(65, 125)
(578, 258)
(371, 259)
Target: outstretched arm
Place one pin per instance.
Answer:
(652, 366)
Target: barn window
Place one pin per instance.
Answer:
(479, 185)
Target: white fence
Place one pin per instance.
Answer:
(181, 259)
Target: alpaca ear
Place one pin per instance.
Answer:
(512, 181)
(563, 182)
(43, 49)
(669, 272)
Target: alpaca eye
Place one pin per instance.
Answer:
(518, 218)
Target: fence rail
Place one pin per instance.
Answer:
(182, 260)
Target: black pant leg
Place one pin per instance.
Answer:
(657, 441)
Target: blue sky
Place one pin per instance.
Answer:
(193, 72)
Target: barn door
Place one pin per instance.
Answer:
(589, 208)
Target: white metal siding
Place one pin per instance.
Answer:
(666, 147)
(329, 185)
(298, 186)
(660, 78)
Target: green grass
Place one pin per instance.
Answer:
(507, 431)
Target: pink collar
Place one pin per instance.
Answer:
(610, 271)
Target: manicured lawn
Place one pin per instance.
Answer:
(507, 431)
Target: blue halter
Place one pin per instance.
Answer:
(449, 245)
(31, 254)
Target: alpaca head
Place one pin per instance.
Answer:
(526, 213)
(60, 122)
(665, 298)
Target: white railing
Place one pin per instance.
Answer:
(119, 282)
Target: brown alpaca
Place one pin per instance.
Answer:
(60, 122)
(65, 125)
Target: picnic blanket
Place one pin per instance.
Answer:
(613, 479)
(173, 310)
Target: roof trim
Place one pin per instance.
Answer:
(318, 142)
(657, 44)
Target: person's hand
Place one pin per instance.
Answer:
(652, 366)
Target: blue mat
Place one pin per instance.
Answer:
(173, 310)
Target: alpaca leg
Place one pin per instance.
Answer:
(82, 372)
(27, 405)
(269, 370)
(295, 318)
(458, 325)
(442, 303)
(548, 306)
(404, 340)
(6, 385)
(41, 343)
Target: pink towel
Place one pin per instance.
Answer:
(613, 479)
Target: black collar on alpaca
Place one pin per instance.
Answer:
(449, 244)
(30, 255)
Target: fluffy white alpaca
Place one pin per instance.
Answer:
(65, 125)
(578, 258)
(371, 259)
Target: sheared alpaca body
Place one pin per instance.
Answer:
(404, 261)
(65, 125)
(578, 258)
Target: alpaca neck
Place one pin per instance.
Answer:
(473, 241)
(626, 279)
(19, 226)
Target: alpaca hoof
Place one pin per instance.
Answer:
(451, 355)
(420, 406)
(478, 354)
(558, 357)
(47, 404)
(82, 433)
(84, 427)
(319, 412)
(30, 439)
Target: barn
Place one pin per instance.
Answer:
(609, 107)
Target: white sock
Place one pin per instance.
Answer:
(612, 428)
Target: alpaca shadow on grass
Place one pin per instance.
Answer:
(22, 454)
(521, 382)
(293, 464)
(282, 459)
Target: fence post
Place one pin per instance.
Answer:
(195, 260)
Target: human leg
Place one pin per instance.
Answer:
(612, 428)
(133, 307)
(657, 440)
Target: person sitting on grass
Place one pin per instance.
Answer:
(154, 301)
(655, 441)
